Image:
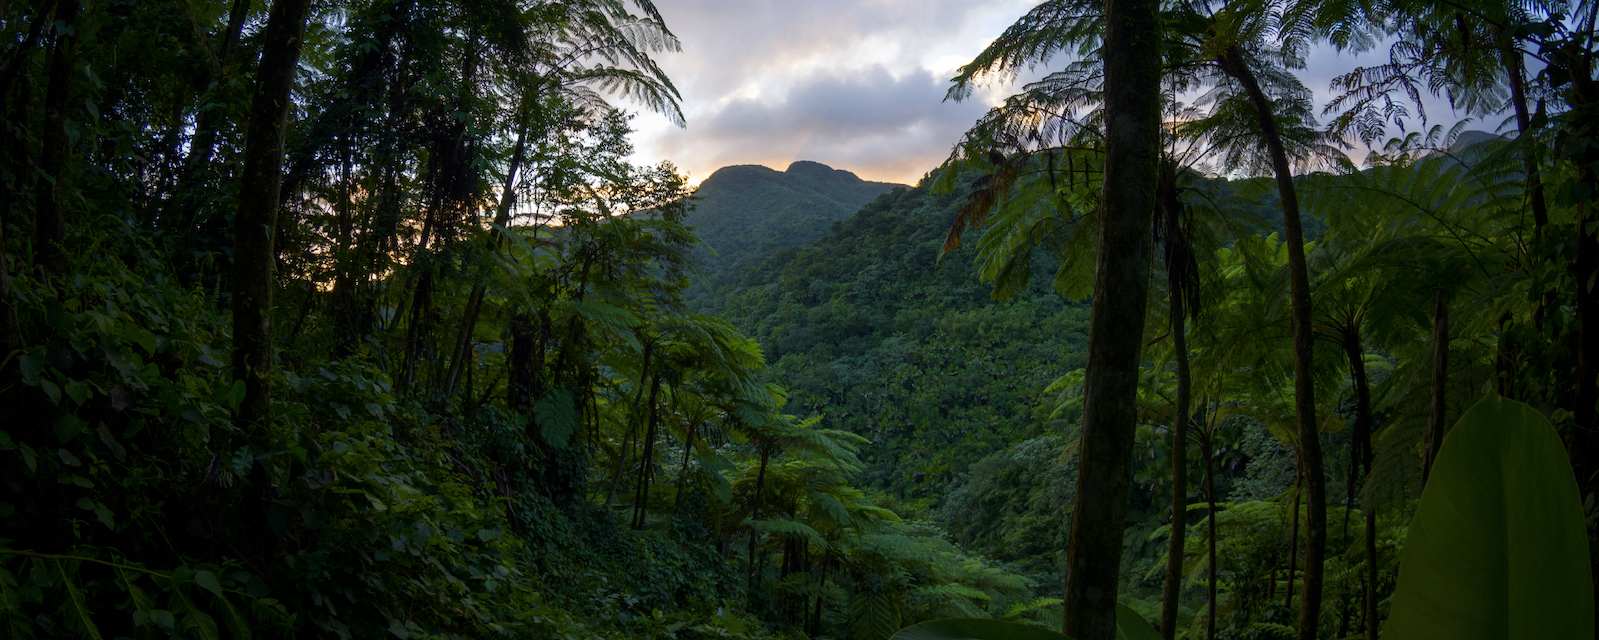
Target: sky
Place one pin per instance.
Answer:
(854, 84)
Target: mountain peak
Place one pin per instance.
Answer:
(809, 168)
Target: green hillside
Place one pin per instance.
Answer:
(745, 212)
(866, 328)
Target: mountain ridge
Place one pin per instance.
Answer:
(744, 213)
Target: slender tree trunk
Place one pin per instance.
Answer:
(1362, 438)
(1236, 65)
(646, 458)
(1515, 72)
(1586, 431)
(1179, 472)
(50, 226)
(682, 474)
(1271, 580)
(255, 226)
(1210, 495)
(418, 330)
(821, 586)
(1293, 545)
(1440, 377)
(502, 217)
(1116, 324)
(179, 214)
(755, 514)
(1505, 358)
(621, 464)
(1370, 601)
(519, 385)
(633, 420)
(16, 148)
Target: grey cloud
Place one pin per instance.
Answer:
(727, 42)
(868, 122)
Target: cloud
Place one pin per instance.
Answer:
(856, 84)
(871, 122)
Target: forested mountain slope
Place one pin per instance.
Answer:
(745, 212)
(867, 328)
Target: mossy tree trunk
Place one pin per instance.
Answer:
(255, 226)
(1116, 324)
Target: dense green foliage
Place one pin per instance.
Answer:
(745, 213)
(865, 331)
(492, 412)
(509, 394)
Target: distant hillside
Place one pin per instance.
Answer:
(747, 212)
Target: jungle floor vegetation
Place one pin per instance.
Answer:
(353, 320)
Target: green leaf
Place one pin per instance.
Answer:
(31, 366)
(78, 391)
(203, 625)
(1132, 626)
(975, 629)
(141, 601)
(235, 395)
(1021, 608)
(1498, 547)
(208, 581)
(10, 594)
(557, 418)
(1129, 626)
(50, 389)
(104, 515)
(180, 576)
(873, 616)
(78, 608)
(235, 620)
(69, 427)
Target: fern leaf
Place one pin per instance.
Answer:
(873, 616)
(17, 625)
(1024, 608)
(78, 607)
(203, 625)
(234, 618)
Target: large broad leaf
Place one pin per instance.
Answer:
(1129, 626)
(1497, 549)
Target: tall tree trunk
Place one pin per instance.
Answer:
(1293, 544)
(179, 213)
(1116, 324)
(1234, 64)
(50, 225)
(1434, 439)
(419, 329)
(1515, 72)
(815, 628)
(255, 226)
(641, 501)
(1210, 496)
(474, 301)
(633, 420)
(755, 514)
(16, 149)
(682, 474)
(519, 385)
(1179, 466)
(1586, 431)
(1583, 97)
(1362, 439)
